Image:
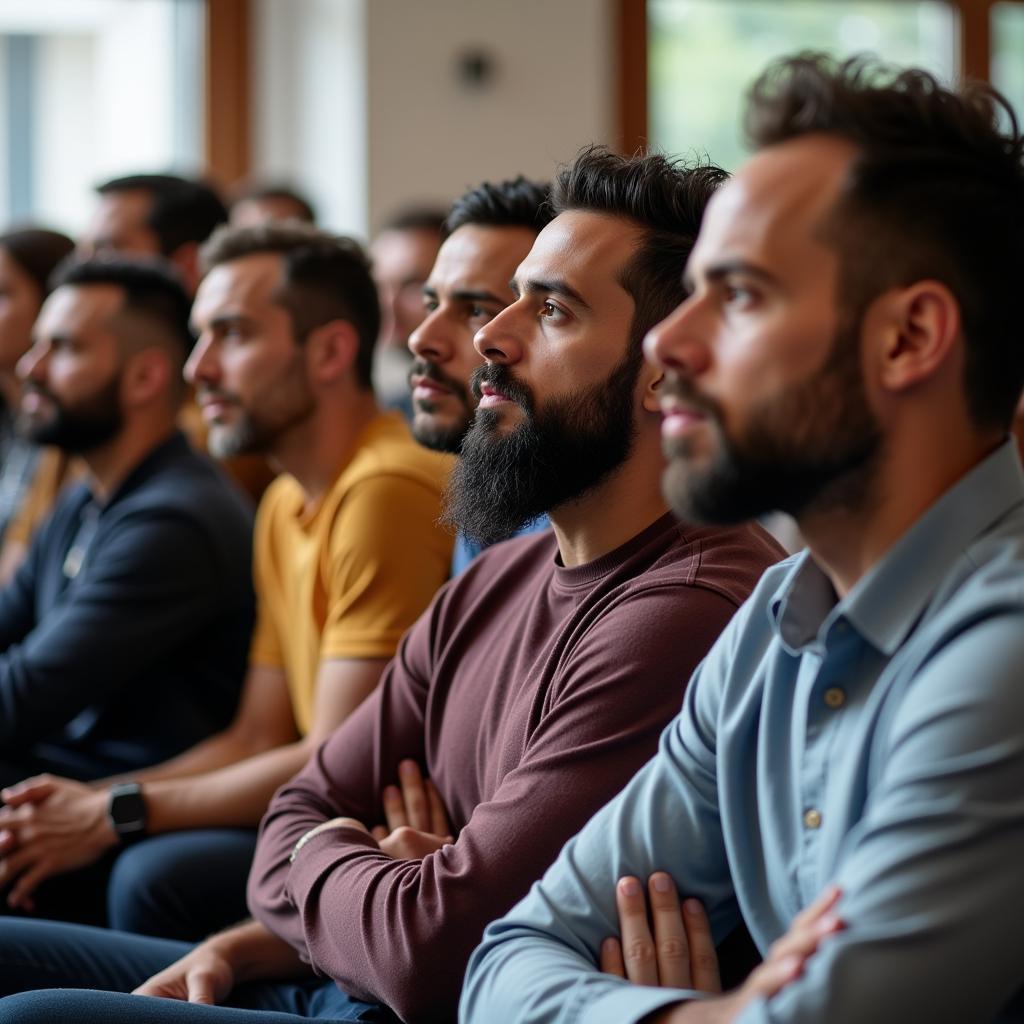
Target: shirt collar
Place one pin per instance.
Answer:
(890, 598)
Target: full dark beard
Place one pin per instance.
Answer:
(555, 456)
(814, 446)
(83, 428)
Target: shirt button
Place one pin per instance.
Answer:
(812, 818)
(835, 697)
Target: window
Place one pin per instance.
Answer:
(1007, 32)
(704, 53)
(92, 90)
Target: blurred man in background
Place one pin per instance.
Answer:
(403, 253)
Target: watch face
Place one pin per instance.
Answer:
(127, 808)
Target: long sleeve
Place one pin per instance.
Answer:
(928, 868)
(156, 581)
(539, 963)
(400, 932)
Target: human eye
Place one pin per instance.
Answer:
(430, 304)
(739, 294)
(552, 312)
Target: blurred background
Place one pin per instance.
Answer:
(366, 105)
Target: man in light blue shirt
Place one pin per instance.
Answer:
(853, 743)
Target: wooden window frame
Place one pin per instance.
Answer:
(973, 41)
(227, 133)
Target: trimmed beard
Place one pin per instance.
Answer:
(556, 455)
(812, 447)
(79, 428)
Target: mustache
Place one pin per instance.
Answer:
(31, 387)
(500, 378)
(421, 368)
(682, 388)
(216, 394)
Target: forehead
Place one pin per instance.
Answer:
(78, 309)
(242, 285)
(404, 255)
(481, 253)
(582, 248)
(772, 207)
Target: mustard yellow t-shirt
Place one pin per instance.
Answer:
(347, 577)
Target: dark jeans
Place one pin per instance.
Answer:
(71, 962)
(183, 885)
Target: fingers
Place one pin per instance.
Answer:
(379, 832)
(771, 977)
(638, 951)
(200, 987)
(611, 958)
(671, 944)
(809, 927)
(417, 806)
(704, 973)
(31, 791)
(394, 808)
(438, 815)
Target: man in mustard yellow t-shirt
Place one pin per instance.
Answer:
(347, 554)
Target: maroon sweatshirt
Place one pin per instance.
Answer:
(530, 693)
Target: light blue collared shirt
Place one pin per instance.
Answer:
(876, 742)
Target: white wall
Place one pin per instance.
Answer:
(309, 73)
(430, 137)
(359, 103)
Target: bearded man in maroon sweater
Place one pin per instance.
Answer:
(530, 691)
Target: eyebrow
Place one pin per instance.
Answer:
(224, 320)
(554, 285)
(718, 271)
(467, 295)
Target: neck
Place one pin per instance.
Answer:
(314, 451)
(112, 463)
(848, 539)
(614, 512)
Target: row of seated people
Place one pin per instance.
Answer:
(844, 778)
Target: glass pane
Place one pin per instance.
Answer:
(90, 91)
(1008, 53)
(703, 54)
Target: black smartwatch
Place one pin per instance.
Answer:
(126, 810)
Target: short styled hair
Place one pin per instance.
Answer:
(183, 210)
(325, 277)
(151, 290)
(275, 190)
(666, 198)
(516, 203)
(935, 192)
(416, 218)
(38, 252)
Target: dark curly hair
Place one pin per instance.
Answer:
(936, 191)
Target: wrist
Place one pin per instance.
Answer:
(126, 812)
(325, 826)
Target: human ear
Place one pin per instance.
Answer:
(331, 350)
(147, 375)
(921, 327)
(652, 379)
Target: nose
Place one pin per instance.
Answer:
(202, 366)
(430, 341)
(677, 342)
(499, 340)
(32, 365)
